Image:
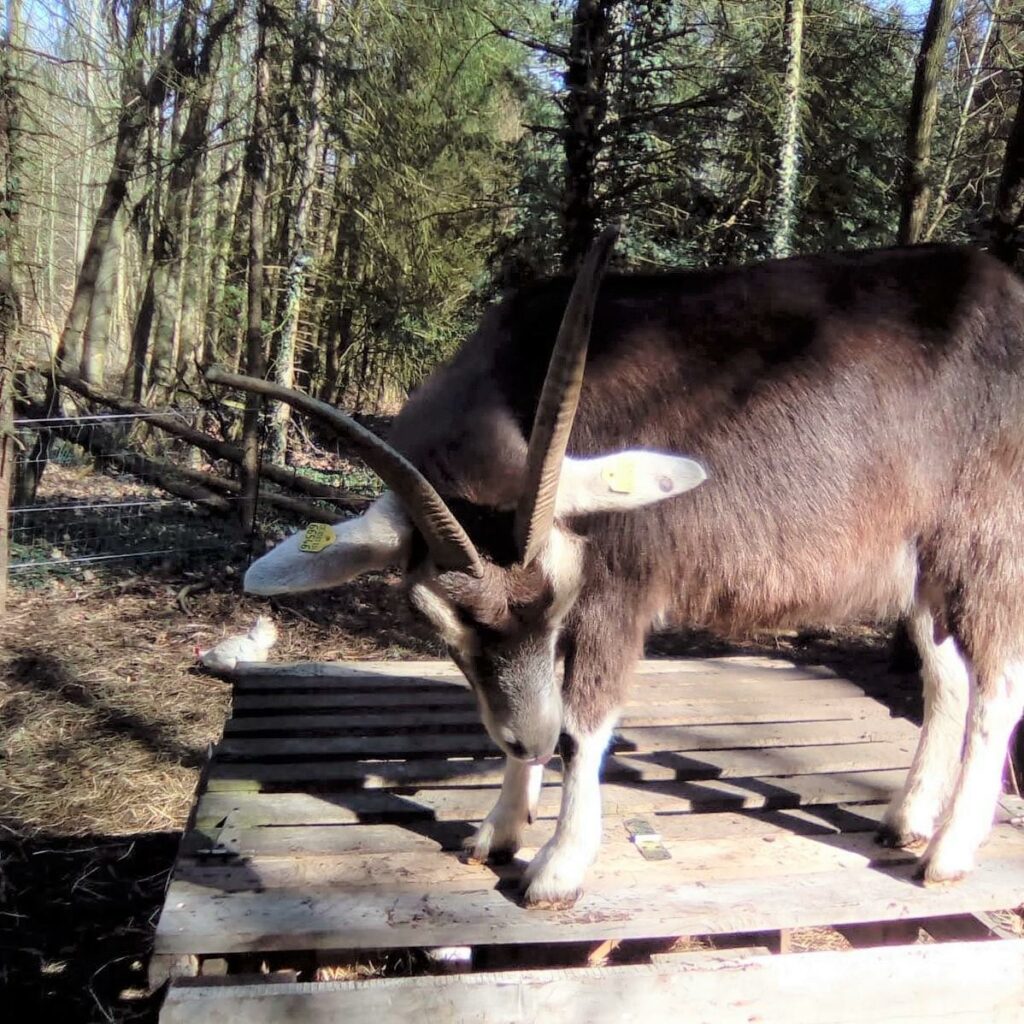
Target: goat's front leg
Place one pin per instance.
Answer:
(500, 834)
(555, 876)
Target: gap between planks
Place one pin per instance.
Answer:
(668, 738)
(663, 766)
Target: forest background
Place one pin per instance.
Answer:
(368, 174)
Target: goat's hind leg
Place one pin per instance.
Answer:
(915, 813)
(500, 833)
(996, 703)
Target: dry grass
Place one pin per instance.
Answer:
(104, 725)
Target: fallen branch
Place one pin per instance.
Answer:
(205, 489)
(171, 424)
(179, 482)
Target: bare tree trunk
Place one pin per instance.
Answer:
(140, 98)
(168, 251)
(220, 243)
(190, 333)
(255, 358)
(1004, 231)
(9, 307)
(284, 368)
(96, 341)
(977, 66)
(789, 142)
(585, 108)
(924, 103)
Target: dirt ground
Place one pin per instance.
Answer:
(105, 721)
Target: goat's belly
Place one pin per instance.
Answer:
(878, 589)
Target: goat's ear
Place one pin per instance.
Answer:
(324, 556)
(623, 481)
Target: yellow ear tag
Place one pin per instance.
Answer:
(318, 536)
(620, 476)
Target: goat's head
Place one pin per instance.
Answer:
(495, 584)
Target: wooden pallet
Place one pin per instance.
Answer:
(326, 825)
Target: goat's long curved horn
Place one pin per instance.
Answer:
(449, 545)
(558, 400)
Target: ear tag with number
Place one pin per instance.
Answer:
(620, 476)
(318, 536)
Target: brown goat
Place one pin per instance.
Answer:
(860, 422)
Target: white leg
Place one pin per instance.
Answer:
(915, 812)
(500, 833)
(994, 710)
(555, 875)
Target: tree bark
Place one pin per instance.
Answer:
(255, 357)
(789, 141)
(95, 342)
(585, 109)
(168, 249)
(924, 104)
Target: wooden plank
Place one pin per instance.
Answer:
(442, 668)
(283, 713)
(619, 866)
(902, 985)
(659, 766)
(307, 918)
(678, 738)
(472, 804)
(660, 688)
(335, 840)
(245, 702)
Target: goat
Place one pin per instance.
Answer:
(859, 419)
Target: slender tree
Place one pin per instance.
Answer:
(585, 109)
(1005, 227)
(308, 95)
(255, 353)
(10, 199)
(924, 103)
(789, 140)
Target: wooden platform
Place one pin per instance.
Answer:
(323, 839)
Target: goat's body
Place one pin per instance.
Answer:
(861, 418)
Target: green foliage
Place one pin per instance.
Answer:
(441, 158)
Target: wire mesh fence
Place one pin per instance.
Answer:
(73, 507)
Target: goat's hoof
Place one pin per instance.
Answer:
(897, 839)
(939, 867)
(541, 901)
(501, 855)
(490, 845)
(554, 878)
